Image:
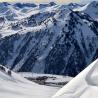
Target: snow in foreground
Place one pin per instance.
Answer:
(16, 86)
(85, 85)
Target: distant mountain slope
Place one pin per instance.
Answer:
(82, 86)
(91, 9)
(56, 39)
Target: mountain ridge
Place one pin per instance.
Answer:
(56, 40)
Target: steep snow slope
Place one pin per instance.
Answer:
(85, 85)
(15, 86)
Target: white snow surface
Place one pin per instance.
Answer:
(16, 86)
(84, 85)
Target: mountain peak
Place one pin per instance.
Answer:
(22, 5)
(52, 3)
(73, 4)
(93, 4)
(47, 4)
(4, 3)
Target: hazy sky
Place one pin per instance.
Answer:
(44, 1)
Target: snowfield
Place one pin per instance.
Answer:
(85, 85)
(16, 86)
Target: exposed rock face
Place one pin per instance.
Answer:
(55, 41)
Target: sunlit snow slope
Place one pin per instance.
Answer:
(17, 87)
(85, 85)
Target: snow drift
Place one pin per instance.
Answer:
(85, 85)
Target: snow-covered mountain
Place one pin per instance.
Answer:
(15, 86)
(91, 9)
(50, 38)
(85, 85)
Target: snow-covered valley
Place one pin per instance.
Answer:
(83, 85)
(15, 86)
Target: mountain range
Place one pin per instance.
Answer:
(83, 85)
(48, 38)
